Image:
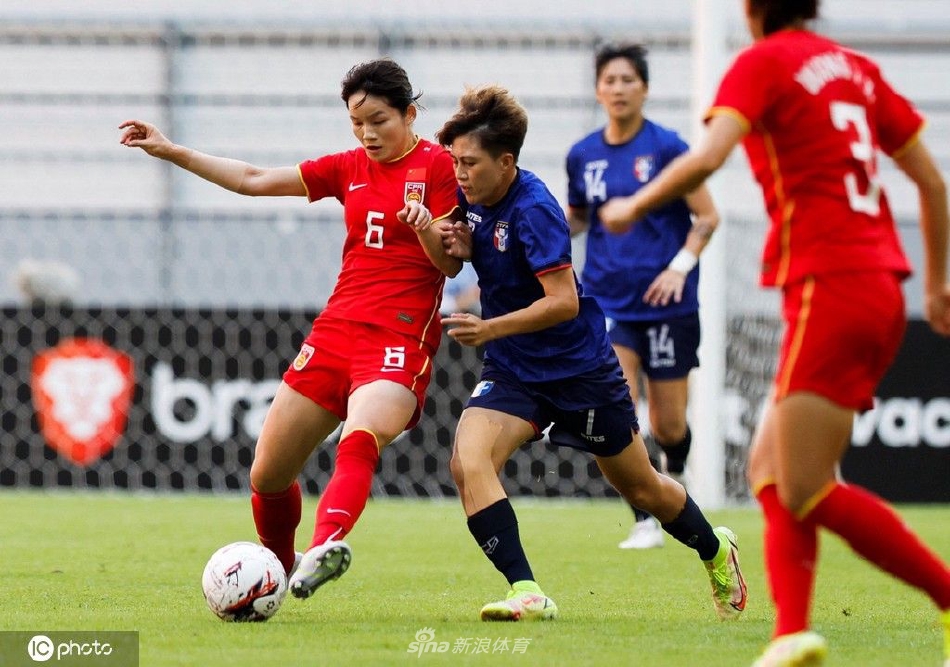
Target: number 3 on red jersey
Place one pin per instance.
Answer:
(845, 115)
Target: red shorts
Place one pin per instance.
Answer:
(340, 355)
(842, 331)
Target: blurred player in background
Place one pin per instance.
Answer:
(47, 282)
(368, 358)
(813, 116)
(548, 361)
(646, 278)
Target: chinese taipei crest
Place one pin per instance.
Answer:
(501, 236)
(643, 167)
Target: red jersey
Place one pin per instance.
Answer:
(386, 278)
(816, 115)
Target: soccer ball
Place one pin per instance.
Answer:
(244, 581)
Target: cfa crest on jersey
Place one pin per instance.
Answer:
(305, 353)
(415, 192)
(643, 167)
(415, 185)
(501, 236)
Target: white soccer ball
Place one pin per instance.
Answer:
(244, 581)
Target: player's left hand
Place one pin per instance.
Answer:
(618, 214)
(416, 215)
(468, 329)
(666, 287)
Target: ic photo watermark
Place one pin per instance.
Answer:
(425, 642)
(69, 649)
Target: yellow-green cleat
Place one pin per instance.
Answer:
(945, 621)
(525, 602)
(800, 649)
(728, 587)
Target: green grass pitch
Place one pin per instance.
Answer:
(110, 561)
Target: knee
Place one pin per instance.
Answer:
(455, 467)
(260, 480)
(668, 431)
(468, 464)
(267, 480)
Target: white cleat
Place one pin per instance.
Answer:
(646, 534)
(800, 649)
(298, 556)
(321, 564)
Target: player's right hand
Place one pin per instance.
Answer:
(937, 311)
(666, 287)
(416, 215)
(139, 134)
(457, 240)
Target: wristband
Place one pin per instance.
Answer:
(684, 262)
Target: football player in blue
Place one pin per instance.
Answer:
(548, 362)
(645, 279)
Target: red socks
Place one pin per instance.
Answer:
(790, 550)
(878, 534)
(872, 529)
(345, 497)
(276, 516)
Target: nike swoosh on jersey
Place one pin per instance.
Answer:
(357, 186)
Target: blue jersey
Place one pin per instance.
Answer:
(620, 267)
(513, 242)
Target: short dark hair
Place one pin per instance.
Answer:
(635, 53)
(491, 114)
(382, 78)
(779, 14)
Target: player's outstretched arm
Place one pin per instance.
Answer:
(234, 175)
(680, 177)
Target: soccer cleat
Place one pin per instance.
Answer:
(298, 556)
(321, 564)
(645, 534)
(800, 649)
(728, 586)
(525, 602)
(945, 621)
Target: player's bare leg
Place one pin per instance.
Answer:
(484, 441)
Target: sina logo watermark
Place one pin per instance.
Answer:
(425, 643)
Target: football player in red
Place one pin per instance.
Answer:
(368, 358)
(813, 116)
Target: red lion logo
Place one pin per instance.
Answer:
(82, 389)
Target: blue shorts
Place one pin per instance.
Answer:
(591, 412)
(667, 348)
